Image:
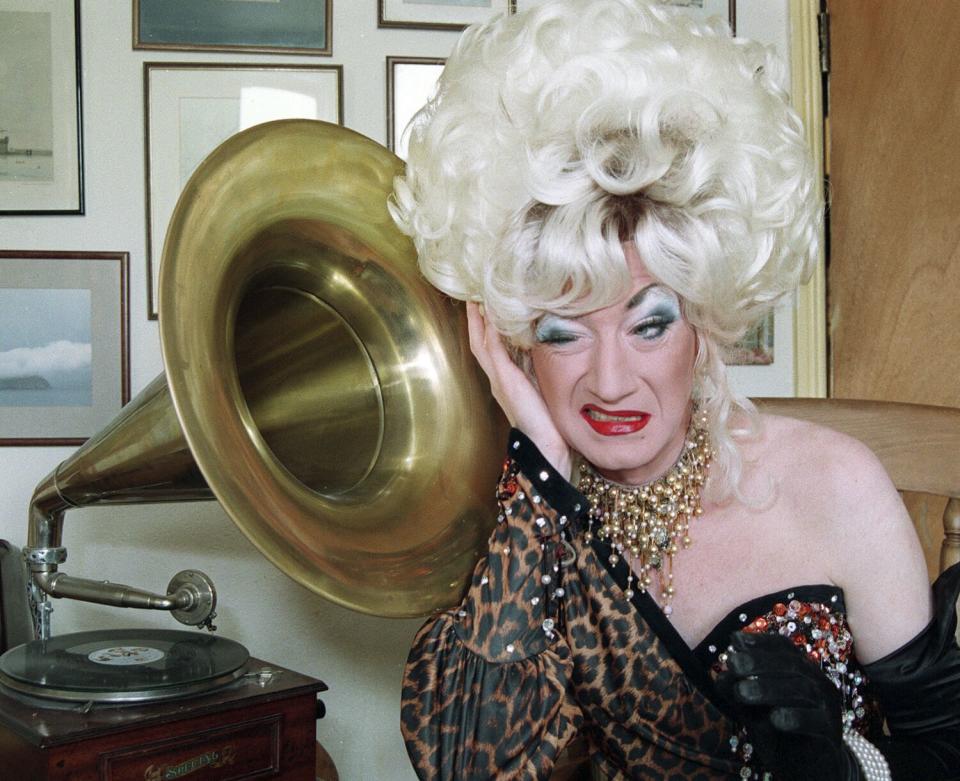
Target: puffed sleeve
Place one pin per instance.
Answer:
(486, 685)
(919, 690)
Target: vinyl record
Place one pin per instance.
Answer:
(131, 665)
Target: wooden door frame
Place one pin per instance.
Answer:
(810, 317)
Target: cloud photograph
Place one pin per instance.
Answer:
(45, 361)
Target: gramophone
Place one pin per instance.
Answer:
(314, 384)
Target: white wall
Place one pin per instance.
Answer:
(359, 657)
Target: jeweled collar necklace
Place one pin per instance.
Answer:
(648, 524)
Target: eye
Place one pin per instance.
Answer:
(651, 328)
(557, 331)
(556, 337)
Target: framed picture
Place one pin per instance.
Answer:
(763, 362)
(191, 108)
(440, 14)
(411, 82)
(41, 149)
(257, 26)
(727, 8)
(757, 346)
(62, 377)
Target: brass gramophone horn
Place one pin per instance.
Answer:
(315, 385)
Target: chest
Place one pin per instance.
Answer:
(738, 554)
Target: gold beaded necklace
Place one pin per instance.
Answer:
(648, 524)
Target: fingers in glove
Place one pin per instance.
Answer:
(763, 642)
(811, 721)
(786, 690)
(761, 661)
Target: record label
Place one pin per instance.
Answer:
(126, 655)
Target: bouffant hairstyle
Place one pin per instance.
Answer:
(559, 133)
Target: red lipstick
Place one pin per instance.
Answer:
(614, 423)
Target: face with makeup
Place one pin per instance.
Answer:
(618, 381)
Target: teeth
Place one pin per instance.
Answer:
(597, 415)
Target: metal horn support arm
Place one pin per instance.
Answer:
(59, 584)
(190, 597)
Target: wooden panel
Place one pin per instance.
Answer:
(926, 512)
(246, 749)
(894, 271)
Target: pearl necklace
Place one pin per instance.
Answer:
(649, 523)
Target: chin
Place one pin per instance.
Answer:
(618, 457)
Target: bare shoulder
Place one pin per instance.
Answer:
(837, 490)
(826, 466)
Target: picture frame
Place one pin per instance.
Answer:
(411, 82)
(41, 130)
(757, 347)
(708, 8)
(439, 14)
(762, 363)
(190, 108)
(63, 378)
(276, 27)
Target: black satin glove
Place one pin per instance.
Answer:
(791, 710)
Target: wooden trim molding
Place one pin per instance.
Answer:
(810, 322)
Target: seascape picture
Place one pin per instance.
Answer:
(45, 361)
(26, 97)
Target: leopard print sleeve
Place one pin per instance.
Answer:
(486, 690)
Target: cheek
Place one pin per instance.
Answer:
(681, 370)
(669, 370)
(555, 374)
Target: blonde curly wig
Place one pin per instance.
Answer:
(558, 133)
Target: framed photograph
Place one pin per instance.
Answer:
(64, 345)
(440, 14)
(256, 26)
(411, 82)
(41, 149)
(191, 108)
(727, 8)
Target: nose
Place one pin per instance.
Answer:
(611, 378)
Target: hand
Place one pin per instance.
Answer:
(520, 400)
(791, 710)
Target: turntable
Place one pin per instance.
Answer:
(153, 705)
(147, 704)
(146, 665)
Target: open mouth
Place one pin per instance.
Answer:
(614, 423)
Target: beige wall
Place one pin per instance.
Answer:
(359, 657)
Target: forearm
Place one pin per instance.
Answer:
(485, 690)
(512, 608)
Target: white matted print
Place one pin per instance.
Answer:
(40, 127)
(411, 82)
(192, 108)
(706, 8)
(763, 363)
(440, 14)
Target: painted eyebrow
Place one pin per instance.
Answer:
(639, 297)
